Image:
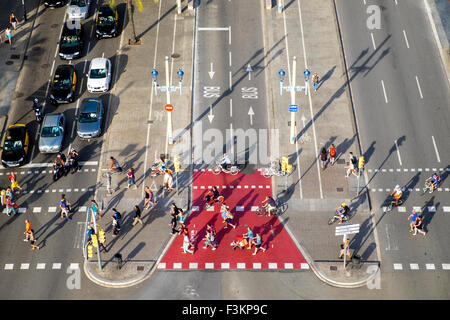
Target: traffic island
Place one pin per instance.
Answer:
(115, 275)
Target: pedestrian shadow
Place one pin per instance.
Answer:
(427, 215)
(369, 152)
(326, 77)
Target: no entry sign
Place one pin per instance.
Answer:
(168, 107)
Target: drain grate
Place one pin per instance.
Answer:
(333, 268)
(9, 62)
(15, 56)
(340, 189)
(140, 268)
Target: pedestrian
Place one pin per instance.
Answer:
(228, 218)
(323, 158)
(168, 180)
(180, 217)
(187, 243)
(211, 229)
(413, 217)
(65, 207)
(28, 229)
(13, 20)
(149, 200)
(33, 241)
(109, 184)
(116, 227)
(345, 249)
(332, 152)
(3, 197)
(9, 193)
(418, 225)
(209, 241)
(137, 215)
(116, 215)
(131, 178)
(96, 209)
(8, 35)
(249, 237)
(14, 182)
(352, 165)
(9, 207)
(173, 223)
(257, 242)
(315, 80)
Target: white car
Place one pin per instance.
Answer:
(99, 75)
(78, 9)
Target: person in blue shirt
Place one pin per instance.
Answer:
(257, 241)
(433, 180)
(249, 237)
(64, 205)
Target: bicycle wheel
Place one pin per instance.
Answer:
(332, 220)
(266, 173)
(260, 212)
(217, 170)
(234, 170)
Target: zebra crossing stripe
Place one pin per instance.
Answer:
(398, 266)
(40, 266)
(9, 266)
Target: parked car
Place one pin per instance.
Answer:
(78, 9)
(99, 75)
(71, 42)
(90, 119)
(15, 145)
(64, 85)
(106, 22)
(52, 133)
(54, 3)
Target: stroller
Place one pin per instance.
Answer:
(240, 242)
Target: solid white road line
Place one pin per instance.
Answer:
(231, 108)
(436, 150)
(406, 39)
(384, 91)
(373, 41)
(398, 153)
(418, 87)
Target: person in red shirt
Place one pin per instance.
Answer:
(332, 152)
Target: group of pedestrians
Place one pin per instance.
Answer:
(327, 155)
(7, 195)
(13, 21)
(416, 223)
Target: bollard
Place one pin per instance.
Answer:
(118, 260)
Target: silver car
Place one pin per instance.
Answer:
(90, 119)
(52, 133)
(78, 9)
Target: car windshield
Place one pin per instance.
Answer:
(60, 84)
(105, 18)
(98, 73)
(78, 3)
(88, 117)
(70, 41)
(48, 132)
(11, 145)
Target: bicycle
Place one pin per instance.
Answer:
(269, 172)
(337, 217)
(427, 187)
(279, 209)
(108, 172)
(156, 171)
(391, 204)
(219, 201)
(234, 170)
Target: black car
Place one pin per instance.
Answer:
(64, 84)
(106, 22)
(15, 145)
(71, 43)
(54, 3)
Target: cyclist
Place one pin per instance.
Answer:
(343, 210)
(162, 165)
(73, 154)
(269, 204)
(115, 167)
(275, 166)
(212, 195)
(225, 162)
(433, 181)
(397, 194)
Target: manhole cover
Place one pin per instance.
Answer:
(15, 56)
(333, 268)
(175, 55)
(45, 66)
(340, 189)
(140, 268)
(9, 62)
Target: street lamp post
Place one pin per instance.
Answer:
(167, 88)
(130, 7)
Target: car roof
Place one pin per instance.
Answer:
(15, 131)
(51, 119)
(90, 105)
(98, 63)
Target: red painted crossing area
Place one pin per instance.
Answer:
(243, 194)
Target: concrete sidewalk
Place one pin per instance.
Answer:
(136, 136)
(325, 116)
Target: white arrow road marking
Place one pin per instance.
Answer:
(249, 70)
(211, 116)
(211, 73)
(251, 114)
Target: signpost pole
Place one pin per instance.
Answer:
(169, 114)
(292, 133)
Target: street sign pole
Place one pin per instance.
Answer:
(346, 230)
(169, 114)
(292, 133)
